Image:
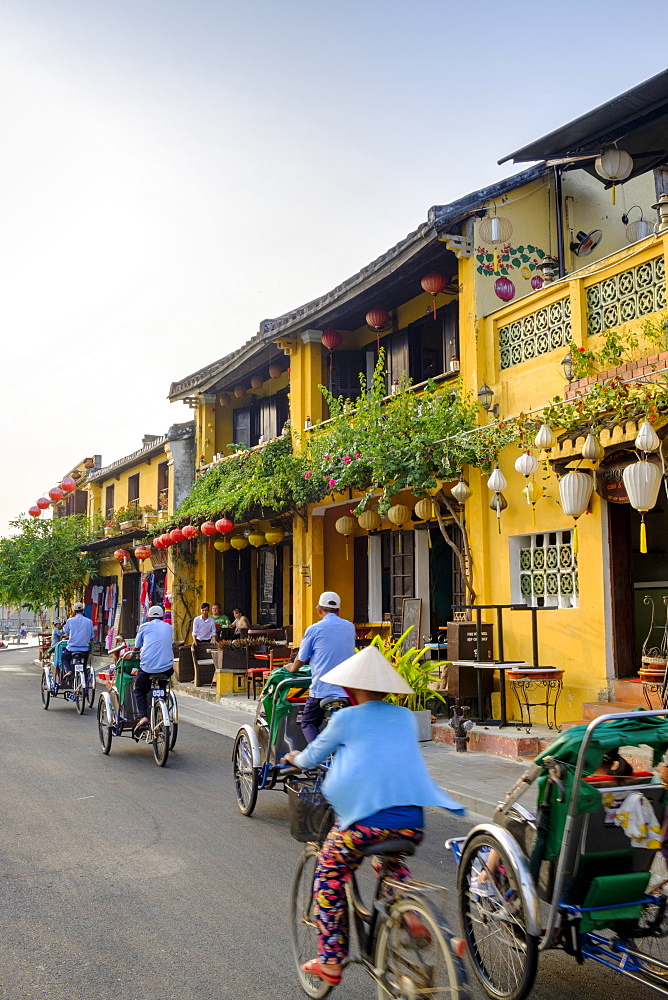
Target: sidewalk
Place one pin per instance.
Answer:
(477, 780)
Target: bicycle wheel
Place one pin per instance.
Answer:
(503, 954)
(173, 720)
(80, 692)
(160, 733)
(417, 965)
(245, 775)
(104, 726)
(90, 686)
(303, 932)
(46, 690)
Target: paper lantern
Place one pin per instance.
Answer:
(275, 371)
(399, 514)
(177, 535)
(190, 531)
(167, 540)
(505, 289)
(274, 536)
(240, 391)
(143, 552)
(647, 439)
(225, 399)
(592, 449)
(223, 525)
(377, 318)
(642, 481)
(56, 494)
(68, 484)
(256, 539)
(497, 481)
(544, 438)
(496, 229)
(369, 520)
(257, 382)
(331, 339)
(35, 511)
(498, 503)
(425, 509)
(526, 464)
(158, 542)
(121, 555)
(238, 542)
(345, 525)
(614, 165)
(43, 503)
(461, 492)
(208, 528)
(433, 283)
(575, 489)
(533, 492)
(222, 544)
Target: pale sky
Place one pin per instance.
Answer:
(174, 171)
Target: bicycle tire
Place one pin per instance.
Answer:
(160, 733)
(80, 693)
(245, 775)
(303, 935)
(173, 720)
(104, 726)
(413, 966)
(46, 691)
(90, 686)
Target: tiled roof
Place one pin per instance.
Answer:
(175, 432)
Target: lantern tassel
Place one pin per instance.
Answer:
(643, 534)
(401, 542)
(575, 540)
(429, 542)
(533, 514)
(434, 298)
(346, 547)
(614, 195)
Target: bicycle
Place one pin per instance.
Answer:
(403, 965)
(117, 711)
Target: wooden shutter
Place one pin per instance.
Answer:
(347, 366)
(398, 360)
(242, 426)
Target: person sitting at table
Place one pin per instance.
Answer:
(204, 627)
(241, 623)
(220, 620)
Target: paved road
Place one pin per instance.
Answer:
(123, 881)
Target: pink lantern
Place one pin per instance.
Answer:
(43, 503)
(34, 511)
(504, 288)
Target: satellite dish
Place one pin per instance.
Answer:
(584, 243)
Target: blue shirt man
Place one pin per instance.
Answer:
(79, 633)
(325, 644)
(154, 639)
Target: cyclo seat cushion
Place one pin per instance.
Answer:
(384, 847)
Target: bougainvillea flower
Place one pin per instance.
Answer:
(331, 482)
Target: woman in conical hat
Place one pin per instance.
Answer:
(378, 785)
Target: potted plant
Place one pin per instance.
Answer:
(149, 515)
(234, 653)
(418, 674)
(110, 528)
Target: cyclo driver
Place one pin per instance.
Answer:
(154, 640)
(79, 633)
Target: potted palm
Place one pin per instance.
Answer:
(418, 674)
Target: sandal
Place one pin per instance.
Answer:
(314, 968)
(140, 730)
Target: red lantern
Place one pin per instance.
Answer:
(190, 531)
(537, 281)
(223, 525)
(42, 503)
(377, 318)
(177, 535)
(68, 484)
(34, 511)
(121, 555)
(505, 289)
(158, 542)
(209, 529)
(434, 283)
(331, 339)
(56, 494)
(167, 540)
(143, 552)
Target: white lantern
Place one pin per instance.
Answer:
(497, 481)
(642, 481)
(575, 489)
(526, 464)
(647, 439)
(592, 449)
(461, 492)
(614, 165)
(544, 438)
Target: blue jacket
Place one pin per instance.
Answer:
(377, 764)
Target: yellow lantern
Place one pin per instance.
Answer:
(345, 526)
(238, 542)
(399, 514)
(369, 520)
(425, 509)
(274, 536)
(256, 539)
(222, 544)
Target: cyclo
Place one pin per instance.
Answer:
(79, 688)
(259, 748)
(117, 712)
(582, 877)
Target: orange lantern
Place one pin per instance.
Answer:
(143, 552)
(377, 318)
(331, 339)
(434, 283)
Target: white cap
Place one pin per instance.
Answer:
(78, 606)
(328, 599)
(155, 612)
(368, 670)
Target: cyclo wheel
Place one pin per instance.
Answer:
(245, 775)
(160, 732)
(90, 686)
(173, 720)
(417, 966)
(303, 932)
(104, 725)
(46, 691)
(503, 954)
(80, 692)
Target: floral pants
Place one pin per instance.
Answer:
(342, 853)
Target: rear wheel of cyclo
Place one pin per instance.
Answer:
(245, 775)
(90, 686)
(104, 726)
(503, 954)
(417, 965)
(173, 720)
(302, 925)
(46, 690)
(161, 735)
(80, 692)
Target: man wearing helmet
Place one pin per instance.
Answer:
(78, 631)
(154, 640)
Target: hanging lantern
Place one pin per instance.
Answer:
(537, 282)
(544, 438)
(256, 539)
(238, 542)
(208, 529)
(176, 535)
(434, 283)
(399, 514)
(56, 494)
(257, 382)
(275, 371)
(331, 339)
(526, 464)
(222, 545)
(592, 449)
(35, 511)
(158, 542)
(369, 520)
(121, 555)
(614, 165)
(496, 229)
(346, 526)
(533, 492)
(167, 540)
(498, 503)
(461, 492)
(642, 481)
(225, 399)
(43, 503)
(505, 289)
(224, 526)
(575, 489)
(274, 536)
(377, 318)
(190, 531)
(143, 552)
(647, 439)
(240, 391)
(425, 509)
(68, 484)
(497, 481)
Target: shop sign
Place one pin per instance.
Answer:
(609, 475)
(159, 558)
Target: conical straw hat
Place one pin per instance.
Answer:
(368, 670)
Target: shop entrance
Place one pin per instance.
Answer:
(270, 586)
(237, 582)
(130, 612)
